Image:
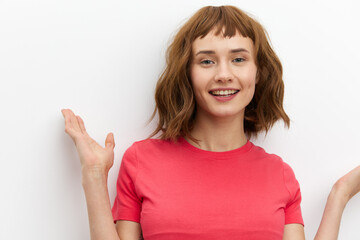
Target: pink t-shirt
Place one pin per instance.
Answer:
(178, 191)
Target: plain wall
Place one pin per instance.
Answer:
(102, 59)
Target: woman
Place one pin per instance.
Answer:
(203, 178)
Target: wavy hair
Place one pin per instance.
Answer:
(174, 97)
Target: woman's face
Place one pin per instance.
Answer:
(223, 75)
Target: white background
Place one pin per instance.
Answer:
(102, 59)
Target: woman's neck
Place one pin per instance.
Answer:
(218, 134)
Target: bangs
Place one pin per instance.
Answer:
(225, 20)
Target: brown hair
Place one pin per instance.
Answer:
(175, 100)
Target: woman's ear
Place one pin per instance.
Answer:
(257, 77)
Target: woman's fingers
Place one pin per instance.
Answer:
(110, 142)
(75, 127)
(81, 124)
(71, 123)
(74, 121)
(67, 120)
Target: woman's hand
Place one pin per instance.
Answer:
(349, 185)
(93, 157)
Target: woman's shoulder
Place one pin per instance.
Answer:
(272, 159)
(152, 144)
(260, 152)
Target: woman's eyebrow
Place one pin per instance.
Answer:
(205, 52)
(239, 50)
(236, 50)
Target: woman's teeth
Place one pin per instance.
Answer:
(224, 93)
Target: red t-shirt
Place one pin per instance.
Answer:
(178, 191)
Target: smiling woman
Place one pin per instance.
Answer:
(198, 49)
(203, 178)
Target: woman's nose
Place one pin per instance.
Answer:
(224, 73)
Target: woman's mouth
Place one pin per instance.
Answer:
(223, 93)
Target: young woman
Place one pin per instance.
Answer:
(203, 178)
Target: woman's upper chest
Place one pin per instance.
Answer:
(207, 195)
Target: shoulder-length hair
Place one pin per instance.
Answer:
(174, 96)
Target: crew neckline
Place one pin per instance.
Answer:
(225, 154)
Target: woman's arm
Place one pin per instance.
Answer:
(99, 211)
(330, 222)
(294, 231)
(96, 162)
(343, 190)
(98, 205)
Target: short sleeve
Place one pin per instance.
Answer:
(127, 204)
(292, 210)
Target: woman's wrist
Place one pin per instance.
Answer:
(94, 175)
(337, 193)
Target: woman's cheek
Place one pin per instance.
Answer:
(251, 78)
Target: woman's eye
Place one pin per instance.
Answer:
(239, 60)
(207, 62)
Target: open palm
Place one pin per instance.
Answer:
(92, 155)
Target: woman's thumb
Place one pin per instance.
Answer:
(110, 142)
